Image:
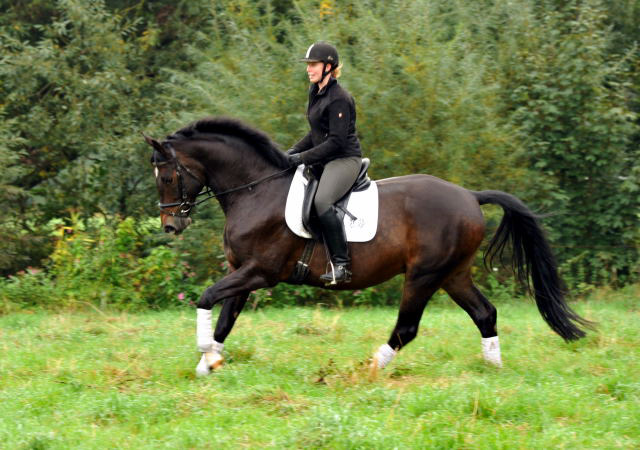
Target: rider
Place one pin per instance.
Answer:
(333, 144)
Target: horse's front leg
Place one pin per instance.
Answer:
(234, 289)
(231, 309)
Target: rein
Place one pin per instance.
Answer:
(185, 205)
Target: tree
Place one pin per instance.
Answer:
(78, 89)
(569, 96)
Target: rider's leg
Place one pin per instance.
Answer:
(335, 237)
(337, 178)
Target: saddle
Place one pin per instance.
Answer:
(309, 216)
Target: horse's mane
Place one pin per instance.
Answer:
(227, 126)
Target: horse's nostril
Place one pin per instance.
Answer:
(169, 229)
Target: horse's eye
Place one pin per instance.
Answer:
(167, 180)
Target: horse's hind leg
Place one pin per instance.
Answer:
(462, 290)
(417, 292)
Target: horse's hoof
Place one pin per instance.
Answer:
(495, 362)
(208, 363)
(374, 368)
(202, 369)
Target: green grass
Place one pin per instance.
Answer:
(297, 378)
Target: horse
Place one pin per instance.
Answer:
(428, 229)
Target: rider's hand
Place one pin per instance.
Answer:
(294, 160)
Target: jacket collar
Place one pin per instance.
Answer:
(315, 91)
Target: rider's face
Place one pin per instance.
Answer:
(314, 70)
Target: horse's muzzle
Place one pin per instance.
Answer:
(175, 225)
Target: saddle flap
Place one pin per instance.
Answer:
(307, 203)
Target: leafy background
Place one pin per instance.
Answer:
(536, 98)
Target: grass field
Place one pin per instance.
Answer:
(297, 378)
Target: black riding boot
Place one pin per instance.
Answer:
(334, 235)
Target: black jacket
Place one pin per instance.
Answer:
(332, 117)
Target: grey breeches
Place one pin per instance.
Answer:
(338, 176)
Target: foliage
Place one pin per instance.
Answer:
(18, 244)
(284, 295)
(424, 104)
(94, 263)
(568, 98)
(539, 99)
(78, 89)
(523, 98)
(124, 265)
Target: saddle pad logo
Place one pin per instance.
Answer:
(362, 205)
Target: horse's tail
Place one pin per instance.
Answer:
(532, 259)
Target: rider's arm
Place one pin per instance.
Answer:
(339, 119)
(303, 144)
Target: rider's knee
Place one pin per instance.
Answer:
(322, 205)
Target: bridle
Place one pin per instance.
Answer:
(184, 205)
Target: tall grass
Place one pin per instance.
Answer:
(297, 378)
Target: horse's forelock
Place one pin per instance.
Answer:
(157, 157)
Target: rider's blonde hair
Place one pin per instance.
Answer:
(338, 71)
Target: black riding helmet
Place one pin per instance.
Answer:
(324, 53)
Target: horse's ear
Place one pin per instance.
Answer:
(155, 144)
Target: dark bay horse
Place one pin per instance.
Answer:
(428, 229)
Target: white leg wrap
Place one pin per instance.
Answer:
(211, 350)
(491, 350)
(383, 356)
(204, 330)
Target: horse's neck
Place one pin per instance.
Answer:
(258, 204)
(231, 176)
(242, 168)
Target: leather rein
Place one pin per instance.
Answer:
(184, 205)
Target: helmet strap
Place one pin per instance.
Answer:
(325, 72)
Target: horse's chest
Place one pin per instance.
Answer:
(240, 246)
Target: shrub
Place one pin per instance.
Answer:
(122, 266)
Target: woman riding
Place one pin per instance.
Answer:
(333, 144)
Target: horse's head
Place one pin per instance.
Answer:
(178, 186)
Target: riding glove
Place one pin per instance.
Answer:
(294, 160)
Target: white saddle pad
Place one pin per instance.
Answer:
(362, 205)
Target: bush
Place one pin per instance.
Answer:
(124, 266)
